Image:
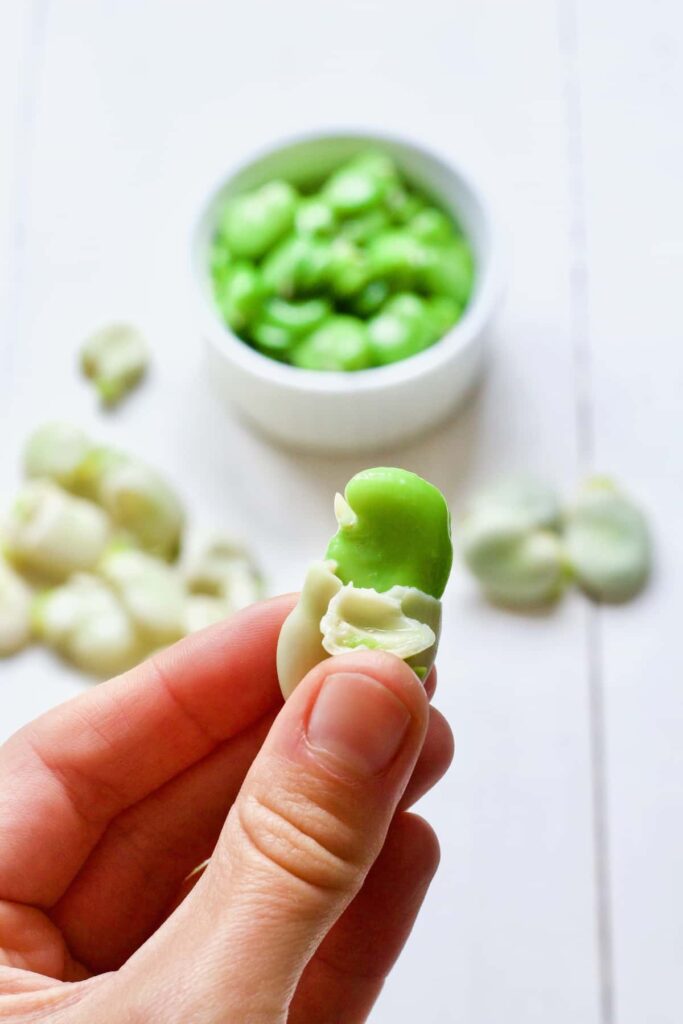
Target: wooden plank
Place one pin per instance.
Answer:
(20, 37)
(632, 94)
(141, 106)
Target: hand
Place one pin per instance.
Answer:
(108, 802)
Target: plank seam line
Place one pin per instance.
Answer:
(580, 337)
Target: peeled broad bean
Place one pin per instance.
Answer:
(115, 359)
(272, 340)
(241, 294)
(405, 326)
(397, 256)
(360, 230)
(444, 313)
(374, 591)
(347, 269)
(381, 508)
(253, 222)
(360, 184)
(296, 266)
(608, 543)
(298, 318)
(314, 217)
(432, 226)
(220, 261)
(340, 343)
(402, 205)
(447, 270)
(52, 533)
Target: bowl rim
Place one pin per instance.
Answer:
(460, 337)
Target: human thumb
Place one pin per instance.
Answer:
(298, 843)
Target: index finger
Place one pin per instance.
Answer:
(65, 776)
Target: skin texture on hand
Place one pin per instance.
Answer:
(317, 870)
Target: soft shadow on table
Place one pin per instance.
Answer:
(442, 455)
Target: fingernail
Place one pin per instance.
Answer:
(358, 722)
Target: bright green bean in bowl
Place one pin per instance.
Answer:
(360, 271)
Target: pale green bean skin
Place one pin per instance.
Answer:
(288, 264)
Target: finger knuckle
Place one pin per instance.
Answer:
(301, 837)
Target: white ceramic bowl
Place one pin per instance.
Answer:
(366, 409)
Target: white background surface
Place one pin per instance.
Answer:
(559, 897)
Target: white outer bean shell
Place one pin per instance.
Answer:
(84, 621)
(608, 544)
(15, 611)
(54, 533)
(300, 646)
(150, 590)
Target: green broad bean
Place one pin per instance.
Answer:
(408, 305)
(314, 217)
(347, 269)
(361, 229)
(252, 223)
(298, 265)
(360, 184)
(370, 299)
(340, 343)
(241, 294)
(220, 261)
(382, 507)
(448, 270)
(298, 317)
(402, 205)
(432, 226)
(402, 329)
(396, 256)
(272, 340)
(444, 313)
(351, 190)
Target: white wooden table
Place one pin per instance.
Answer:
(559, 896)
